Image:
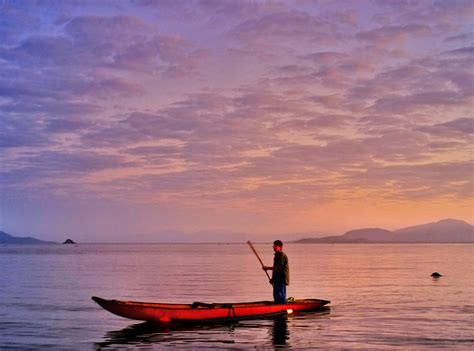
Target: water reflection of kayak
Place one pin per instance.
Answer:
(198, 311)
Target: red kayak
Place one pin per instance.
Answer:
(198, 311)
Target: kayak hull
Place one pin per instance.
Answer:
(198, 312)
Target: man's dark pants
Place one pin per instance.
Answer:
(279, 293)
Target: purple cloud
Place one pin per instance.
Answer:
(463, 125)
(286, 25)
(468, 51)
(456, 129)
(393, 34)
(459, 38)
(49, 166)
(22, 132)
(402, 104)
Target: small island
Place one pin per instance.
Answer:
(69, 241)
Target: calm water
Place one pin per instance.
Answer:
(382, 296)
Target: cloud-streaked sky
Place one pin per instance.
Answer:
(140, 120)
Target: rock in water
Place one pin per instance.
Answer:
(69, 241)
(436, 275)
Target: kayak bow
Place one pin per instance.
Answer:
(198, 311)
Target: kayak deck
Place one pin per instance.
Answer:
(199, 311)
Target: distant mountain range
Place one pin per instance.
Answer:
(445, 231)
(9, 239)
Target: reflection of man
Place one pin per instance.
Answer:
(281, 273)
(280, 333)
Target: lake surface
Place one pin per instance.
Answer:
(382, 295)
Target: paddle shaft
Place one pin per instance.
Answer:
(256, 254)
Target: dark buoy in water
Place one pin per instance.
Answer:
(436, 275)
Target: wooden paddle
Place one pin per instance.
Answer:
(256, 254)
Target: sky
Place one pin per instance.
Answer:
(218, 120)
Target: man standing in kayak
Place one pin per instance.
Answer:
(280, 273)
